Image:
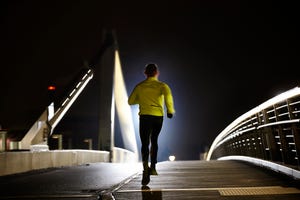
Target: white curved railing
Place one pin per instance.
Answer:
(270, 132)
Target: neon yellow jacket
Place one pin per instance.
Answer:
(151, 95)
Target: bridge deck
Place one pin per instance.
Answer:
(176, 180)
(210, 180)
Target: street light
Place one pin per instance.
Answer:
(172, 158)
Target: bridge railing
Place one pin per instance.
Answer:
(269, 132)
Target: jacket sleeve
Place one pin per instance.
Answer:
(133, 98)
(168, 99)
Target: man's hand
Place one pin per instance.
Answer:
(169, 115)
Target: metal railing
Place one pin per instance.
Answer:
(270, 132)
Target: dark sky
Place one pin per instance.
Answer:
(221, 58)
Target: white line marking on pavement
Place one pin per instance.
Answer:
(46, 196)
(228, 191)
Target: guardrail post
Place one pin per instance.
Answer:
(257, 145)
(274, 152)
(296, 134)
(284, 146)
(293, 110)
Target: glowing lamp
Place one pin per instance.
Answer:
(171, 157)
(51, 87)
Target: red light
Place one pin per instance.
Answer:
(51, 87)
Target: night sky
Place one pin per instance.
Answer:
(220, 58)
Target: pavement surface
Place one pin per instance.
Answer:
(176, 180)
(76, 182)
(210, 180)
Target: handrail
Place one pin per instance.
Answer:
(69, 100)
(36, 137)
(270, 131)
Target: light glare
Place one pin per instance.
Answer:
(172, 158)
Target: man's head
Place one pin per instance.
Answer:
(151, 70)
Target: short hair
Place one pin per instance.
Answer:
(151, 69)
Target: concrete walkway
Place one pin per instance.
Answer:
(76, 182)
(176, 180)
(210, 180)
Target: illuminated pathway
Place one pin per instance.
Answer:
(209, 180)
(176, 180)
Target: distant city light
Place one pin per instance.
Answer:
(172, 158)
(51, 87)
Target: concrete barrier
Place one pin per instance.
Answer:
(23, 161)
(120, 155)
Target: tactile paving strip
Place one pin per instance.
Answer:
(242, 191)
(229, 191)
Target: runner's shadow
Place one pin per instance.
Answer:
(149, 194)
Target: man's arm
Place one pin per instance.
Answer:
(133, 99)
(169, 101)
